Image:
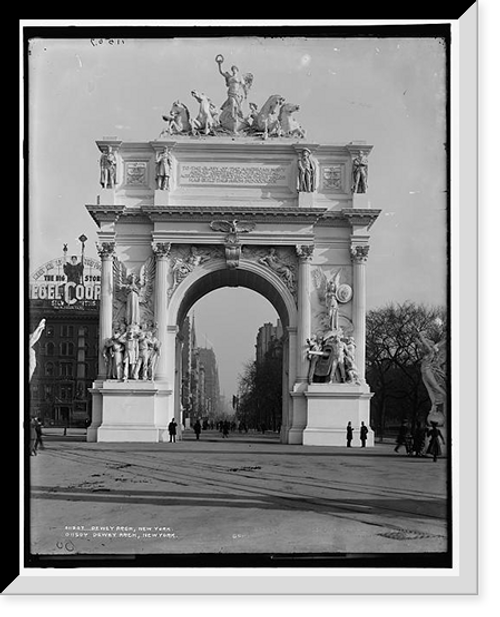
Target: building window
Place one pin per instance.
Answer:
(67, 349)
(67, 331)
(49, 331)
(66, 369)
(66, 393)
(49, 369)
(49, 349)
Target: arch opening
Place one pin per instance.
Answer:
(238, 277)
(255, 279)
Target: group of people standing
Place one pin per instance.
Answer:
(415, 441)
(363, 434)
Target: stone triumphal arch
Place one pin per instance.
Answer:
(204, 207)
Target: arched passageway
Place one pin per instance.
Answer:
(252, 277)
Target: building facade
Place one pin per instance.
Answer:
(266, 336)
(65, 293)
(200, 386)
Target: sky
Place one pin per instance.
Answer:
(389, 92)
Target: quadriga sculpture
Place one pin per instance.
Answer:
(178, 120)
(289, 126)
(206, 121)
(266, 120)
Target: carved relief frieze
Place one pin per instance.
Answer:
(184, 259)
(281, 260)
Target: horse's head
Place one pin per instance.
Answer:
(199, 96)
(289, 108)
(177, 108)
(272, 102)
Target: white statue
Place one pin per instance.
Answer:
(433, 370)
(289, 127)
(351, 369)
(34, 338)
(232, 117)
(206, 119)
(178, 120)
(266, 120)
(163, 170)
(132, 294)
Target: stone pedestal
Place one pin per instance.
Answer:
(131, 411)
(161, 198)
(360, 201)
(107, 197)
(330, 407)
(306, 200)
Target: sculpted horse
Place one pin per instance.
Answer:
(289, 126)
(266, 120)
(206, 119)
(178, 121)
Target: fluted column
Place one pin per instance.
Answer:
(105, 251)
(161, 251)
(304, 253)
(359, 255)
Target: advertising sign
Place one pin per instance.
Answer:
(67, 282)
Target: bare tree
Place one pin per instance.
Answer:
(393, 357)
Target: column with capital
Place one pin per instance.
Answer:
(304, 252)
(105, 251)
(161, 251)
(297, 420)
(359, 255)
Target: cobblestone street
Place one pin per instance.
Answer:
(244, 494)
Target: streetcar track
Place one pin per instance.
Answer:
(291, 499)
(333, 485)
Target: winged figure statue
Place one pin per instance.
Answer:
(327, 292)
(132, 294)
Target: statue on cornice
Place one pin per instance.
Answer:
(307, 177)
(360, 173)
(108, 169)
(163, 170)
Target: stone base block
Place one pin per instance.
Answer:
(360, 201)
(306, 200)
(107, 197)
(330, 407)
(132, 411)
(161, 198)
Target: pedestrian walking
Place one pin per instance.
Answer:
(363, 434)
(349, 434)
(38, 431)
(435, 436)
(402, 438)
(172, 430)
(197, 429)
(225, 429)
(419, 439)
(32, 437)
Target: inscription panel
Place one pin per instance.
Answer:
(233, 174)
